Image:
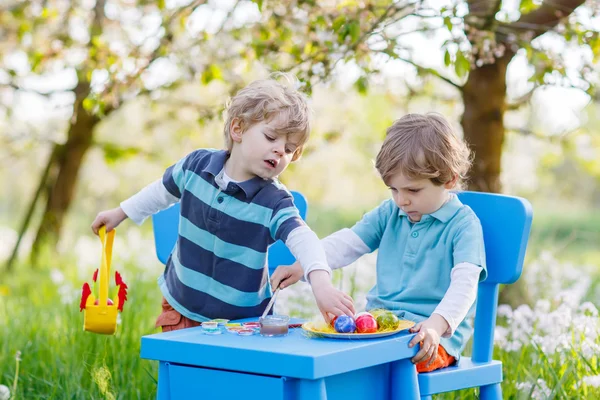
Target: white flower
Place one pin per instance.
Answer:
(588, 308)
(593, 381)
(504, 310)
(541, 390)
(542, 306)
(57, 276)
(4, 392)
(501, 336)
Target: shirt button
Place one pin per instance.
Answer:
(220, 200)
(415, 234)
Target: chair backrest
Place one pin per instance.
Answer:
(506, 223)
(165, 225)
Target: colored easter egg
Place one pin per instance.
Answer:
(332, 322)
(387, 321)
(365, 323)
(344, 324)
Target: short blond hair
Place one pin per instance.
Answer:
(423, 146)
(266, 99)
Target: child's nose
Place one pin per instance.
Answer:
(279, 148)
(403, 201)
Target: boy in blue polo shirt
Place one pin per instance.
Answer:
(232, 208)
(431, 254)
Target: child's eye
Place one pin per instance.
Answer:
(393, 189)
(270, 138)
(414, 190)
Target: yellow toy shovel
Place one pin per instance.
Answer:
(100, 315)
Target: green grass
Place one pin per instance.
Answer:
(59, 359)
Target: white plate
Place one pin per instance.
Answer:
(404, 324)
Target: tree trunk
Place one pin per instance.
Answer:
(33, 205)
(484, 99)
(68, 163)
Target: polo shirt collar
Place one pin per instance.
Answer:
(250, 187)
(445, 212)
(217, 162)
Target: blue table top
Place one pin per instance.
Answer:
(294, 355)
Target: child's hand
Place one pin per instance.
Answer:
(287, 275)
(429, 333)
(109, 218)
(330, 300)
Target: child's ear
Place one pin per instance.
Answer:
(235, 130)
(451, 183)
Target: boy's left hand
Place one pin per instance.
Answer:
(429, 334)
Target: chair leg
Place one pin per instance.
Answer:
(490, 392)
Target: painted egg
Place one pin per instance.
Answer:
(388, 320)
(366, 323)
(332, 322)
(344, 324)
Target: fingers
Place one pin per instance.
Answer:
(417, 339)
(326, 316)
(348, 304)
(345, 305)
(97, 224)
(427, 352)
(416, 328)
(433, 356)
(276, 280)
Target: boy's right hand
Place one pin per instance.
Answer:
(109, 218)
(287, 275)
(331, 301)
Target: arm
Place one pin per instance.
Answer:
(459, 297)
(154, 197)
(306, 247)
(150, 200)
(138, 207)
(341, 248)
(345, 246)
(469, 261)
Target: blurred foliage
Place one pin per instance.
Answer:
(109, 53)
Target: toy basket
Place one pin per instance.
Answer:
(100, 314)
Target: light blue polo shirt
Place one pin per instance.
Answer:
(415, 260)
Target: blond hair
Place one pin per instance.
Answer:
(266, 99)
(423, 146)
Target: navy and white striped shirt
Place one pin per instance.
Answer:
(218, 266)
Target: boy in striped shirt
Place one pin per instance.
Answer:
(232, 209)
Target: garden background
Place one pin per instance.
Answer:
(97, 98)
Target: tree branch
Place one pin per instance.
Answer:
(544, 18)
(14, 86)
(432, 72)
(484, 10)
(518, 103)
(552, 138)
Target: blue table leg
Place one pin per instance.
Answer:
(490, 392)
(404, 382)
(163, 391)
(311, 389)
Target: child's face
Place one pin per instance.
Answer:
(417, 197)
(264, 152)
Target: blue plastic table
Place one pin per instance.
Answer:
(195, 365)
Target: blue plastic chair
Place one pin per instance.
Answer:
(166, 222)
(506, 223)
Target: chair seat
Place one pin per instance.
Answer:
(464, 375)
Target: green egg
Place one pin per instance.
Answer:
(387, 321)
